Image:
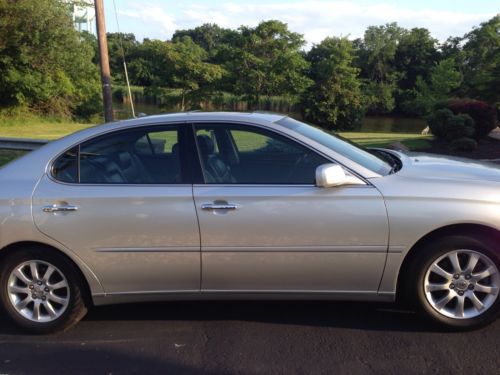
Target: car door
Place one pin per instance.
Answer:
(266, 227)
(123, 203)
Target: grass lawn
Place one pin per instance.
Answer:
(39, 129)
(412, 141)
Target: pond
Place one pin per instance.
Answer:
(370, 124)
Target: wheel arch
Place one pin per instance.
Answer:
(478, 231)
(13, 247)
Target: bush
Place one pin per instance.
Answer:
(437, 121)
(483, 114)
(463, 144)
(455, 129)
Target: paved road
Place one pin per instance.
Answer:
(251, 338)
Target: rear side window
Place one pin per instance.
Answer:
(65, 168)
(138, 156)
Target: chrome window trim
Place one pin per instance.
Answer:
(280, 185)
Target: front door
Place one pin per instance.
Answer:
(123, 203)
(265, 226)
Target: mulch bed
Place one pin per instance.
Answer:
(488, 148)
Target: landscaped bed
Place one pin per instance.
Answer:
(488, 149)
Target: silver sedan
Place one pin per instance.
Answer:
(232, 205)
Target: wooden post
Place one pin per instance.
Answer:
(104, 60)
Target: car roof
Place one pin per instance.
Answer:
(268, 117)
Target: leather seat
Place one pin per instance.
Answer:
(132, 168)
(214, 168)
(100, 170)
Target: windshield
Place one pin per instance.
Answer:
(339, 145)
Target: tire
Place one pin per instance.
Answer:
(464, 296)
(56, 290)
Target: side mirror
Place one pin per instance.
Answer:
(329, 175)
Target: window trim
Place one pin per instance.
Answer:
(182, 126)
(272, 130)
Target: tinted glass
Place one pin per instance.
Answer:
(65, 168)
(347, 149)
(141, 156)
(234, 154)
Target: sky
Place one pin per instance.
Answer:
(315, 19)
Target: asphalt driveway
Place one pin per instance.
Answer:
(251, 338)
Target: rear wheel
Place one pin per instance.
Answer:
(41, 291)
(458, 281)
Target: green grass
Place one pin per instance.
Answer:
(412, 141)
(38, 128)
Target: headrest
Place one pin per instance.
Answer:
(124, 159)
(205, 144)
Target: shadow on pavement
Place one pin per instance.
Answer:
(354, 315)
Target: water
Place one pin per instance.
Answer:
(370, 124)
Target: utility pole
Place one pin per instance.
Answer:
(104, 60)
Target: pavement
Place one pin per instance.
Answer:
(251, 338)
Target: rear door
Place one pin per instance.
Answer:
(123, 203)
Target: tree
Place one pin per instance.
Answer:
(190, 72)
(211, 37)
(334, 101)
(267, 61)
(375, 57)
(482, 61)
(147, 64)
(45, 64)
(416, 54)
(120, 45)
(444, 78)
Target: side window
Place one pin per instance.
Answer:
(139, 156)
(65, 168)
(250, 155)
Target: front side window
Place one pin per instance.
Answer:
(353, 152)
(139, 156)
(235, 154)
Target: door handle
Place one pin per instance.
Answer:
(56, 208)
(219, 206)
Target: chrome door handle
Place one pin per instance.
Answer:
(56, 208)
(219, 206)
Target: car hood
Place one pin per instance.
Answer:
(423, 165)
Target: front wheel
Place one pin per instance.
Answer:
(40, 291)
(458, 281)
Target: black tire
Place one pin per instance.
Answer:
(76, 307)
(431, 252)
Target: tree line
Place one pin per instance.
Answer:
(47, 66)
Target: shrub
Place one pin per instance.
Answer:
(437, 121)
(483, 114)
(459, 126)
(456, 129)
(463, 144)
